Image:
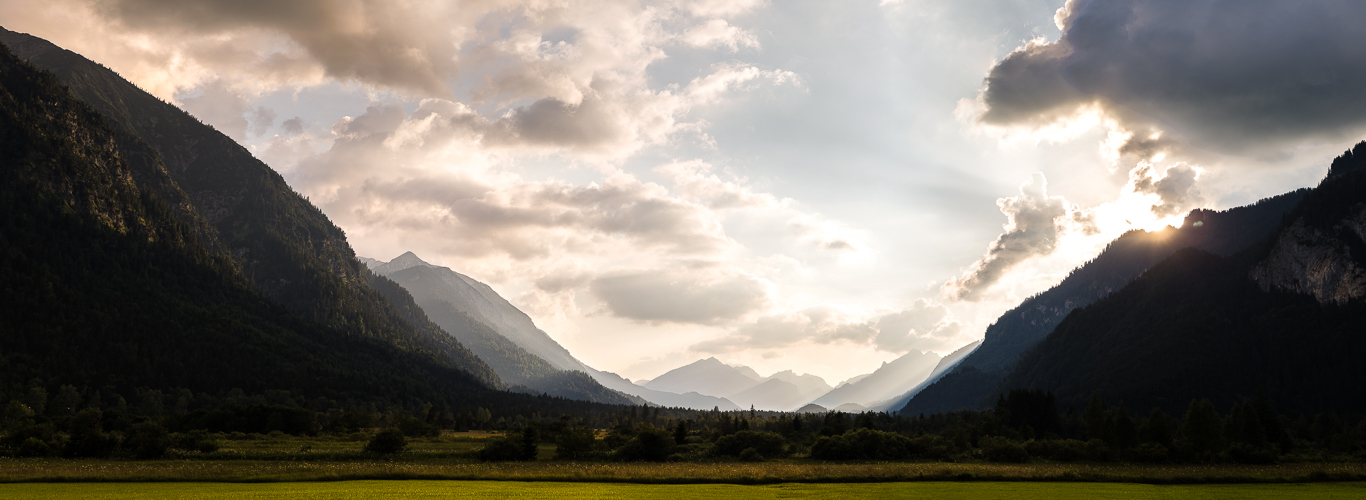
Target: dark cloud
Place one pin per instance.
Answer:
(1232, 76)
(293, 126)
(370, 41)
(260, 120)
(679, 297)
(1035, 220)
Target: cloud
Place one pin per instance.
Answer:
(681, 296)
(1174, 187)
(821, 325)
(719, 33)
(221, 107)
(1035, 221)
(261, 119)
(922, 326)
(1245, 78)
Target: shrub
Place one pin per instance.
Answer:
(862, 444)
(768, 444)
(148, 440)
(930, 447)
(751, 455)
(574, 443)
(1247, 454)
(1062, 450)
(389, 440)
(649, 445)
(509, 448)
(1151, 452)
(196, 440)
(1004, 450)
(34, 447)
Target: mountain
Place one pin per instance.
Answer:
(808, 384)
(947, 363)
(970, 385)
(705, 376)
(851, 380)
(888, 381)
(104, 284)
(475, 313)
(771, 395)
(782, 391)
(242, 210)
(448, 298)
(1283, 318)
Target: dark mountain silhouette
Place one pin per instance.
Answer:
(240, 208)
(970, 385)
(1286, 317)
(105, 284)
(946, 364)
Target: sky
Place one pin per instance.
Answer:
(807, 185)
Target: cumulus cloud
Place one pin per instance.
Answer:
(719, 33)
(1174, 187)
(1035, 221)
(693, 296)
(1235, 77)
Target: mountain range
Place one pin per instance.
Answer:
(511, 343)
(143, 249)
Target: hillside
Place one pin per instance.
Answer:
(1284, 317)
(104, 285)
(448, 299)
(284, 246)
(970, 385)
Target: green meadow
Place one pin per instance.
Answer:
(516, 489)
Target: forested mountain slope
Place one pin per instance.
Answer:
(1286, 317)
(284, 246)
(102, 284)
(970, 385)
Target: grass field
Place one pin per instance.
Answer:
(513, 489)
(18, 470)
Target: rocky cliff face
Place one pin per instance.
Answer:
(1317, 261)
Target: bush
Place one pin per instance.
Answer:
(389, 440)
(649, 445)
(1003, 450)
(768, 444)
(1247, 454)
(574, 443)
(751, 455)
(1151, 452)
(148, 440)
(1062, 450)
(862, 444)
(509, 448)
(196, 440)
(34, 447)
(930, 447)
